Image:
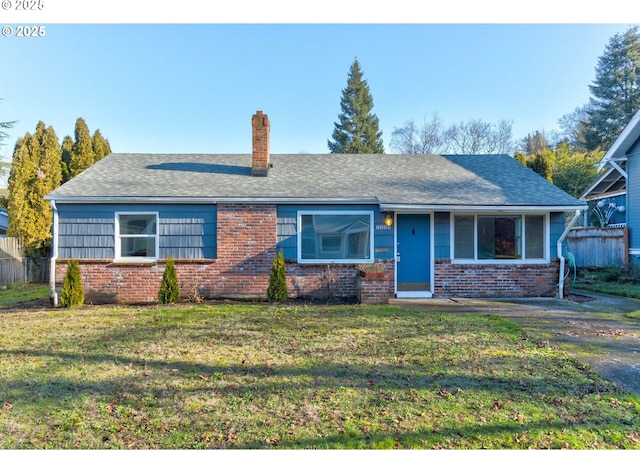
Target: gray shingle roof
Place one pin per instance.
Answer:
(411, 180)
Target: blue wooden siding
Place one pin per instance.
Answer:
(442, 234)
(633, 191)
(88, 231)
(287, 228)
(556, 228)
(85, 232)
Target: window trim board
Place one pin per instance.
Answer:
(299, 237)
(118, 249)
(523, 260)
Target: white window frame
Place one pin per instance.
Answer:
(118, 236)
(334, 213)
(524, 260)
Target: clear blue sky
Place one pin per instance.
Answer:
(192, 88)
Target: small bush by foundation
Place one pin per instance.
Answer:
(277, 290)
(72, 293)
(169, 290)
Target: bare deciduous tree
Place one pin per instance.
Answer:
(468, 138)
(411, 139)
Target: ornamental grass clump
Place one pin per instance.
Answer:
(169, 291)
(72, 293)
(277, 290)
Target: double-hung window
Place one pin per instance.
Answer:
(500, 238)
(137, 236)
(335, 236)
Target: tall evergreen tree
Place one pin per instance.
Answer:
(615, 90)
(358, 128)
(66, 149)
(34, 173)
(82, 153)
(101, 147)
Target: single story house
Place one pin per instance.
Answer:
(617, 190)
(455, 225)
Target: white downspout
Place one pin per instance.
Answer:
(53, 294)
(560, 256)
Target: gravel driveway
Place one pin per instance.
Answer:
(590, 326)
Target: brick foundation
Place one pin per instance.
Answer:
(107, 282)
(495, 280)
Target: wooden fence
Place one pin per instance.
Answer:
(599, 247)
(14, 268)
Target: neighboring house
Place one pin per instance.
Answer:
(617, 190)
(4, 222)
(456, 225)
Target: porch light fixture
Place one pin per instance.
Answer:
(388, 221)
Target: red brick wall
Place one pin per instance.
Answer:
(246, 249)
(495, 280)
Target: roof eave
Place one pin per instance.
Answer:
(313, 201)
(480, 208)
(211, 200)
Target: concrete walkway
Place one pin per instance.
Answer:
(592, 327)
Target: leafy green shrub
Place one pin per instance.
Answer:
(611, 273)
(72, 293)
(169, 290)
(277, 290)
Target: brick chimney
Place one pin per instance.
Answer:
(260, 143)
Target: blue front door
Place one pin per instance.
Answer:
(413, 253)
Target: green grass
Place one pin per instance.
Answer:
(193, 376)
(17, 294)
(611, 287)
(611, 280)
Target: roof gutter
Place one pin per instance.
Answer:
(216, 200)
(477, 208)
(53, 294)
(560, 256)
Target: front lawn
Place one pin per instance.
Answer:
(23, 295)
(206, 375)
